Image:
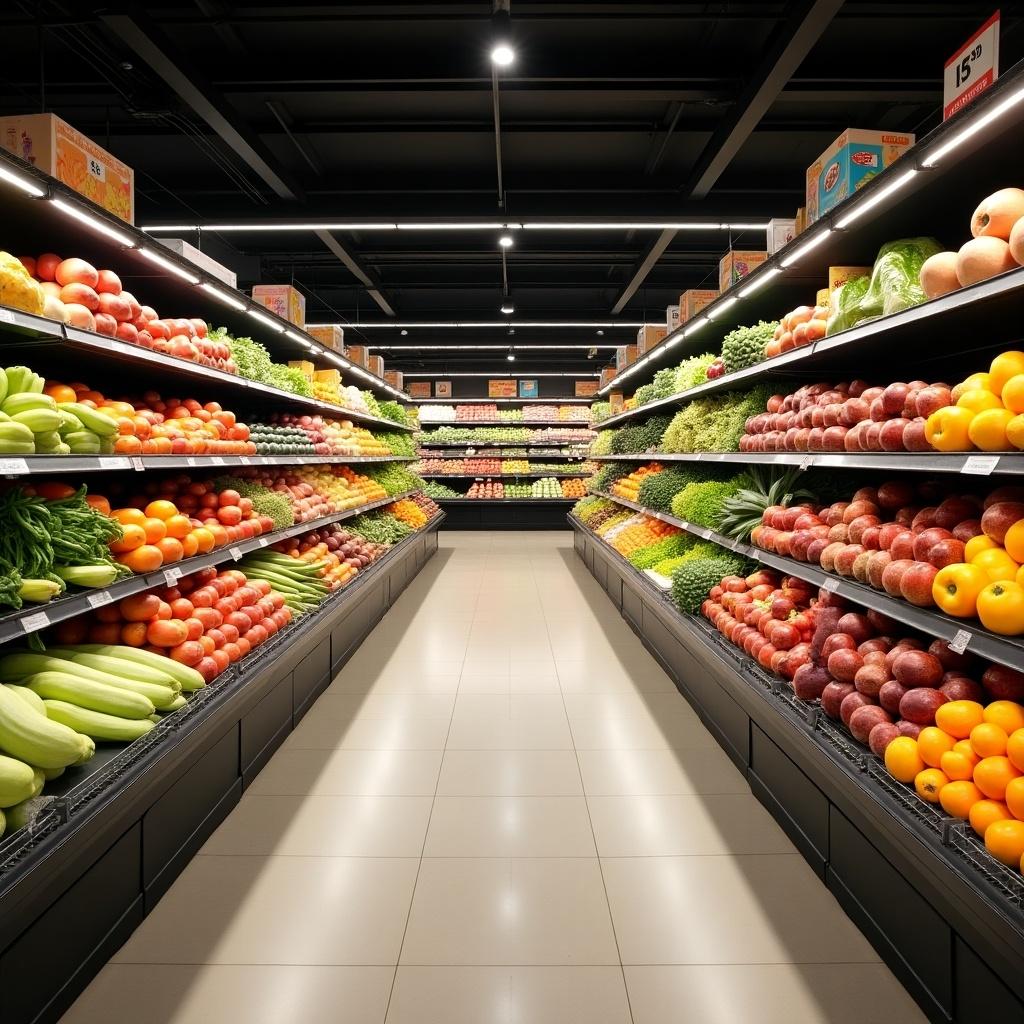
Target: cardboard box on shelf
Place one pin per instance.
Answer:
(419, 389)
(736, 264)
(52, 145)
(201, 260)
(648, 336)
(801, 220)
(332, 377)
(672, 317)
(304, 366)
(442, 389)
(329, 335)
(840, 275)
(395, 378)
(849, 163)
(358, 355)
(624, 355)
(375, 364)
(284, 300)
(823, 298)
(615, 400)
(781, 230)
(504, 387)
(691, 302)
(608, 375)
(585, 388)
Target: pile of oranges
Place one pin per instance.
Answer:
(628, 487)
(971, 763)
(639, 531)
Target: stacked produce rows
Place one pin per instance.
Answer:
(894, 603)
(489, 412)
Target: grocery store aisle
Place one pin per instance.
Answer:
(500, 811)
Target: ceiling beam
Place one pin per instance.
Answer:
(791, 43)
(148, 43)
(365, 276)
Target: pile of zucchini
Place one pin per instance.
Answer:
(300, 583)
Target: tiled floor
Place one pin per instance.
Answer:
(501, 812)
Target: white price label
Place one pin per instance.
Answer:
(172, 575)
(980, 465)
(807, 461)
(264, 542)
(190, 460)
(99, 599)
(830, 586)
(137, 463)
(13, 467)
(217, 460)
(114, 462)
(6, 316)
(236, 553)
(972, 69)
(705, 533)
(38, 620)
(960, 641)
(244, 460)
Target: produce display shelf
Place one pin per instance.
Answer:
(499, 476)
(974, 637)
(818, 783)
(25, 332)
(500, 444)
(191, 286)
(31, 618)
(942, 190)
(575, 424)
(964, 463)
(504, 501)
(33, 465)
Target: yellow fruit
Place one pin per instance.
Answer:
(997, 563)
(979, 400)
(957, 798)
(976, 545)
(1013, 542)
(929, 784)
(957, 766)
(988, 430)
(958, 718)
(1013, 393)
(1015, 431)
(1007, 714)
(984, 812)
(988, 740)
(1005, 841)
(902, 759)
(1005, 366)
(993, 774)
(972, 383)
(1015, 749)
(1015, 797)
(932, 743)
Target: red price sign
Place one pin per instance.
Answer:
(972, 69)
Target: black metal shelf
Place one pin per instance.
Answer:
(501, 476)
(36, 465)
(32, 618)
(976, 639)
(964, 463)
(504, 501)
(28, 333)
(576, 424)
(425, 442)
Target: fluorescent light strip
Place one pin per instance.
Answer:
(485, 323)
(97, 225)
(221, 296)
(976, 124)
(528, 376)
(27, 186)
(607, 225)
(474, 226)
(299, 338)
(466, 401)
(759, 281)
(168, 265)
(722, 306)
(806, 247)
(695, 326)
(263, 319)
(482, 348)
(876, 197)
(621, 225)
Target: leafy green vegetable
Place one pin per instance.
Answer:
(674, 545)
(744, 346)
(701, 502)
(715, 423)
(640, 437)
(692, 580)
(380, 527)
(658, 489)
(393, 411)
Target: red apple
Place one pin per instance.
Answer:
(844, 664)
(845, 558)
(890, 695)
(917, 668)
(851, 702)
(915, 438)
(864, 719)
(894, 398)
(870, 679)
(947, 552)
(1004, 683)
(967, 529)
(916, 584)
(881, 736)
(890, 437)
(957, 686)
(997, 519)
(927, 539)
(893, 574)
(832, 697)
(919, 705)
(902, 547)
(931, 399)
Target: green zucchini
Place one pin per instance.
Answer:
(95, 724)
(85, 693)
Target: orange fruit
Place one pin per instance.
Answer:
(929, 784)
(993, 774)
(902, 760)
(957, 798)
(161, 508)
(1014, 541)
(1013, 393)
(146, 558)
(132, 537)
(989, 430)
(155, 529)
(189, 545)
(979, 400)
(975, 381)
(1005, 366)
(958, 766)
(958, 718)
(976, 545)
(125, 516)
(171, 549)
(205, 540)
(1005, 841)
(988, 740)
(1015, 431)
(997, 563)
(1015, 797)
(1007, 714)
(932, 743)
(1015, 749)
(984, 812)
(178, 526)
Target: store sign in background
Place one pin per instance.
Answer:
(528, 389)
(442, 389)
(586, 388)
(419, 389)
(501, 388)
(972, 69)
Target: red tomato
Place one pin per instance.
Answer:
(232, 651)
(188, 653)
(209, 617)
(229, 515)
(194, 627)
(221, 660)
(230, 497)
(230, 633)
(167, 632)
(209, 668)
(241, 622)
(182, 608)
(216, 636)
(244, 646)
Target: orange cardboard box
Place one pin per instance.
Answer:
(419, 389)
(282, 299)
(693, 301)
(395, 379)
(736, 264)
(52, 145)
(608, 375)
(648, 336)
(357, 354)
(376, 365)
(585, 388)
(329, 335)
(624, 355)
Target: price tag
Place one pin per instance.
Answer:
(705, 533)
(13, 467)
(114, 462)
(245, 460)
(972, 69)
(217, 460)
(6, 316)
(980, 465)
(264, 541)
(137, 463)
(806, 462)
(190, 460)
(172, 575)
(38, 620)
(100, 598)
(830, 586)
(960, 641)
(236, 553)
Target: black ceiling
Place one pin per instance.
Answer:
(386, 110)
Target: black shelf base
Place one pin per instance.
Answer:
(953, 942)
(73, 900)
(512, 514)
